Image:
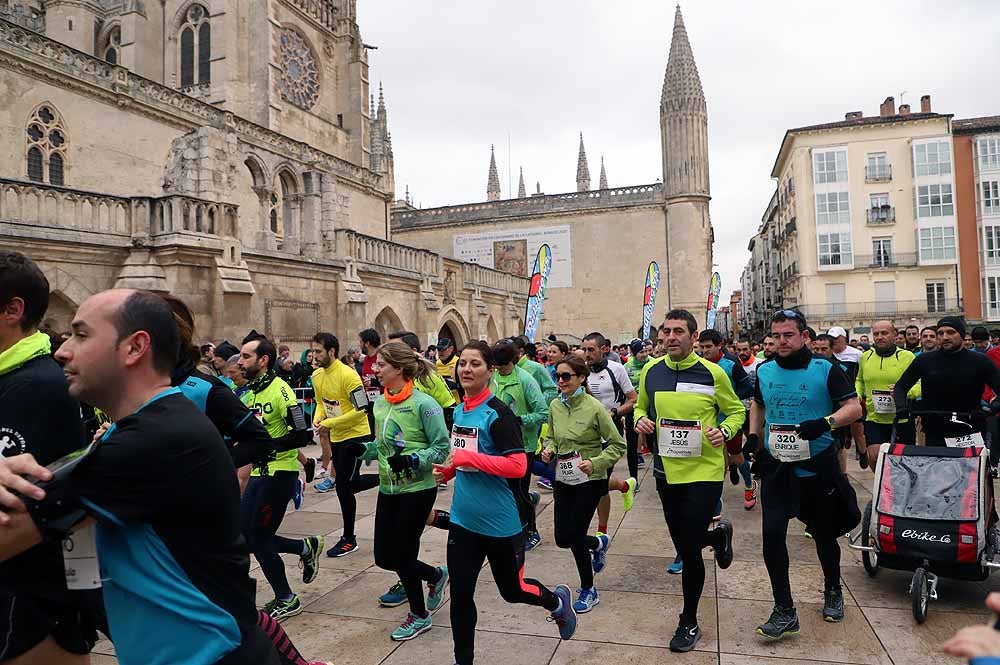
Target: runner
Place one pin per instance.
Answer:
(446, 361)
(537, 372)
(928, 340)
(410, 436)
(488, 454)
(639, 356)
(680, 397)
(586, 444)
(273, 485)
(334, 382)
(750, 363)
(799, 398)
(768, 349)
(557, 351)
(912, 334)
(879, 370)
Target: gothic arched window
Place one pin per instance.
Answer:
(112, 46)
(46, 146)
(195, 47)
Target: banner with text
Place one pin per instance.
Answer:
(649, 297)
(536, 292)
(511, 251)
(712, 309)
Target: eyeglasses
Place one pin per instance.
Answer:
(564, 376)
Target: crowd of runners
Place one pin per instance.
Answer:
(141, 470)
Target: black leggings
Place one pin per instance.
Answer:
(632, 446)
(466, 552)
(688, 509)
(774, 528)
(527, 507)
(350, 481)
(575, 506)
(261, 511)
(399, 523)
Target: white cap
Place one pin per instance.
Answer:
(836, 332)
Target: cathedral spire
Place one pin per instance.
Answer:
(604, 175)
(381, 104)
(521, 191)
(582, 170)
(681, 83)
(493, 182)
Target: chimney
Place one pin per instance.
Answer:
(888, 108)
(853, 115)
(925, 104)
(904, 109)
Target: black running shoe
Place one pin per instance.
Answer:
(343, 547)
(686, 637)
(833, 605)
(724, 553)
(309, 562)
(734, 474)
(863, 459)
(310, 469)
(782, 622)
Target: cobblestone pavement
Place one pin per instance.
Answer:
(639, 604)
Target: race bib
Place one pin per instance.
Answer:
(373, 394)
(465, 438)
(786, 445)
(679, 438)
(883, 402)
(82, 568)
(568, 470)
(332, 408)
(966, 441)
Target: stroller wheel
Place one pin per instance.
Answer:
(868, 559)
(919, 594)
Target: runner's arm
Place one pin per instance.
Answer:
(728, 403)
(438, 443)
(843, 394)
(348, 418)
(248, 441)
(756, 423)
(615, 448)
(909, 378)
(742, 383)
(538, 408)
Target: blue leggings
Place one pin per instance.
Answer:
(540, 468)
(745, 472)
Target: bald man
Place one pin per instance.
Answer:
(878, 371)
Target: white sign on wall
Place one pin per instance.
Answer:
(514, 251)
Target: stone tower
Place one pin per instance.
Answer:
(521, 192)
(582, 170)
(604, 175)
(493, 181)
(684, 135)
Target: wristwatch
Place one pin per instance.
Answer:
(831, 421)
(614, 412)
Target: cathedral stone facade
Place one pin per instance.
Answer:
(604, 239)
(229, 152)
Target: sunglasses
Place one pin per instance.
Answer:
(564, 376)
(788, 314)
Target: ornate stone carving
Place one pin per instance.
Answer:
(299, 81)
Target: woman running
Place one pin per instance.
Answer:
(488, 454)
(410, 436)
(557, 351)
(586, 444)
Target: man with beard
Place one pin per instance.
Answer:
(928, 340)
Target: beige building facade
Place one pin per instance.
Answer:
(228, 152)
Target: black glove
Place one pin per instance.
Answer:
(813, 429)
(995, 405)
(751, 446)
(400, 463)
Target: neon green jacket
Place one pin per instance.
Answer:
(540, 374)
(521, 393)
(877, 372)
(582, 424)
(269, 401)
(435, 386)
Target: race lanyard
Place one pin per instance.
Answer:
(966, 441)
(679, 438)
(80, 563)
(332, 408)
(465, 438)
(883, 402)
(568, 470)
(786, 445)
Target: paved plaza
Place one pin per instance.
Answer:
(639, 600)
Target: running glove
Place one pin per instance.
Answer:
(751, 445)
(400, 463)
(813, 429)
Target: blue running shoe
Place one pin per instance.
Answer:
(325, 485)
(588, 598)
(545, 484)
(677, 567)
(435, 591)
(395, 596)
(565, 615)
(600, 554)
(297, 499)
(533, 540)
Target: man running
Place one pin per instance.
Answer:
(798, 400)
(537, 371)
(638, 357)
(680, 397)
(928, 340)
(878, 371)
(912, 334)
(768, 349)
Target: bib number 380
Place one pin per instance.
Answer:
(465, 438)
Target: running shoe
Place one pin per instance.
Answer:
(724, 555)
(564, 615)
(586, 601)
(534, 497)
(734, 474)
(807, 534)
(310, 468)
(781, 622)
(282, 609)
(677, 567)
(394, 597)
(533, 540)
(297, 499)
(640, 462)
(750, 497)
(833, 605)
(863, 459)
(601, 553)
(343, 547)
(685, 637)
(309, 562)
(325, 485)
(545, 484)
(718, 511)
(412, 627)
(435, 590)
(628, 496)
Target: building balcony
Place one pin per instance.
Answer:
(878, 173)
(873, 311)
(881, 215)
(886, 260)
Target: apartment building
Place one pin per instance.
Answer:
(862, 225)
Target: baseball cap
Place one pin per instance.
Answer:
(444, 343)
(836, 332)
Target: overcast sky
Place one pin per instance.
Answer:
(460, 75)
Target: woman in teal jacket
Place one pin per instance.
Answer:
(410, 437)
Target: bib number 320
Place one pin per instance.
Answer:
(786, 445)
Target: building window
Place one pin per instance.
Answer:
(934, 201)
(195, 47)
(833, 208)
(877, 168)
(991, 245)
(882, 252)
(989, 153)
(112, 46)
(46, 147)
(990, 190)
(830, 166)
(299, 81)
(932, 158)
(935, 297)
(937, 243)
(992, 292)
(835, 249)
